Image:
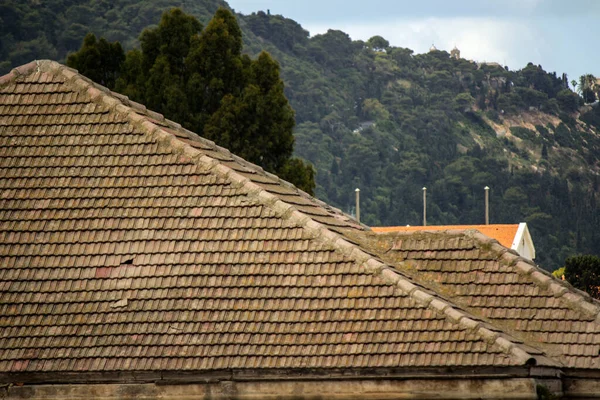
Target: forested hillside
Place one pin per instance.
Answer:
(31, 29)
(386, 120)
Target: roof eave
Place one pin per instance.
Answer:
(266, 374)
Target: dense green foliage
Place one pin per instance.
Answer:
(386, 120)
(32, 29)
(102, 61)
(583, 272)
(199, 78)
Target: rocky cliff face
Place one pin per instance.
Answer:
(541, 142)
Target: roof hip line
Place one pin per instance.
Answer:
(576, 299)
(371, 264)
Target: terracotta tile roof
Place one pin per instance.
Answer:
(129, 243)
(494, 283)
(503, 233)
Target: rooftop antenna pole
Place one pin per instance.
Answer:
(357, 190)
(424, 206)
(487, 205)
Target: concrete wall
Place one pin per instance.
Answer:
(582, 388)
(514, 388)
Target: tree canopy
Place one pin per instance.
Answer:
(583, 272)
(200, 78)
(102, 61)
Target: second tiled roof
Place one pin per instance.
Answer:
(495, 284)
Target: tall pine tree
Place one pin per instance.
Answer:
(102, 61)
(257, 124)
(201, 79)
(216, 65)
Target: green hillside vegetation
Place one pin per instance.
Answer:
(31, 29)
(389, 121)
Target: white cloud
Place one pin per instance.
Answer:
(508, 42)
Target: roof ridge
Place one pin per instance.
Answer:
(87, 84)
(257, 168)
(25, 69)
(317, 231)
(573, 297)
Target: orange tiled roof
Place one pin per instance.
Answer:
(503, 233)
(128, 243)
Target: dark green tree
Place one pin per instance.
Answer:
(201, 79)
(216, 66)
(99, 60)
(587, 83)
(568, 100)
(544, 151)
(300, 172)
(258, 124)
(156, 76)
(378, 43)
(583, 272)
(171, 39)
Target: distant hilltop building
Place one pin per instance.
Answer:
(454, 53)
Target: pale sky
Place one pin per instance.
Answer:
(560, 35)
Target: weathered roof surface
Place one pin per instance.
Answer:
(495, 284)
(130, 244)
(503, 233)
